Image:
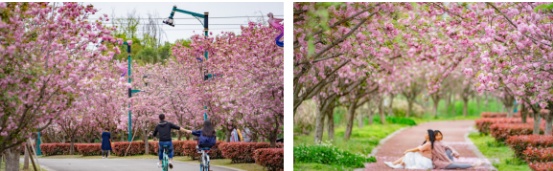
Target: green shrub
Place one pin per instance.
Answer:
(396, 120)
(328, 154)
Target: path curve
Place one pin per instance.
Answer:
(118, 165)
(455, 135)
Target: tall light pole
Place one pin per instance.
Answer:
(131, 91)
(205, 16)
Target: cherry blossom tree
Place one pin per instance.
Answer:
(47, 58)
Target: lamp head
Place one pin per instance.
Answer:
(169, 21)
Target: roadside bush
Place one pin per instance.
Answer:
(50, 149)
(483, 124)
(533, 154)
(502, 131)
(519, 143)
(242, 152)
(328, 154)
(270, 158)
(89, 149)
(119, 148)
(541, 166)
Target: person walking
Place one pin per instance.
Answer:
(106, 143)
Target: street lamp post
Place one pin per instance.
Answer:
(131, 91)
(205, 16)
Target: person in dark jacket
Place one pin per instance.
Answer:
(164, 130)
(106, 143)
(206, 136)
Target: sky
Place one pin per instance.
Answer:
(227, 16)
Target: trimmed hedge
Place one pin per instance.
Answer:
(502, 131)
(493, 115)
(119, 148)
(533, 154)
(541, 166)
(89, 149)
(50, 149)
(483, 124)
(242, 152)
(519, 143)
(270, 158)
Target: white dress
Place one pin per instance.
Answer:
(415, 160)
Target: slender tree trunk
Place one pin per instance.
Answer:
(391, 108)
(72, 146)
(486, 102)
(26, 159)
(549, 119)
(465, 106)
(319, 124)
(360, 116)
(351, 115)
(371, 115)
(410, 106)
(436, 102)
(228, 134)
(1, 158)
(523, 113)
(145, 140)
(478, 100)
(448, 102)
(509, 110)
(381, 112)
(330, 119)
(537, 119)
(12, 158)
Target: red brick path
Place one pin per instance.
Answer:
(454, 135)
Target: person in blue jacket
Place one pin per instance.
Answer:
(106, 143)
(206, 136)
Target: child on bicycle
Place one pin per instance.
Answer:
(206, 136)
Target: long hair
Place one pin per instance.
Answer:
(208, 130)
(432, 138)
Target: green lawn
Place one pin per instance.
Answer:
(362, 141)
(497, 150)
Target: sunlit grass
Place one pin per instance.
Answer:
(497, 150)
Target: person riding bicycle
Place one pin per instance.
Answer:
(164, 130)
(206, 136)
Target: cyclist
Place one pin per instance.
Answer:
(164, 130)
(206, 136)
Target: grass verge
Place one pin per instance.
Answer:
(362, 141)
(500, 154)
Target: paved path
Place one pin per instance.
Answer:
(117, 165)
(455, 134)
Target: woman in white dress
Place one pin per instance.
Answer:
(417, 158)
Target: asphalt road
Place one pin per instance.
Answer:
(117, 165)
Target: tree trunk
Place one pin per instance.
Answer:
(537, 119)
(179, 135)
(360, 120)
(391, 109)
(12, 158)
(26, 159)
(319, 124)
(381, 112)
(509, 110)
(228, 134)
(448, 102)
(145, 140)
(548, 121)
(330, 119)
(351, 115)
(486, 102)
(465, 105)
(371, 116)
(410, 106)
(72, 146)
(523, 112)
(436, 102)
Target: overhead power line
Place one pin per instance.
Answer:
(190, 18)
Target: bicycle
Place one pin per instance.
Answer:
(204, 165)
(165, 161)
